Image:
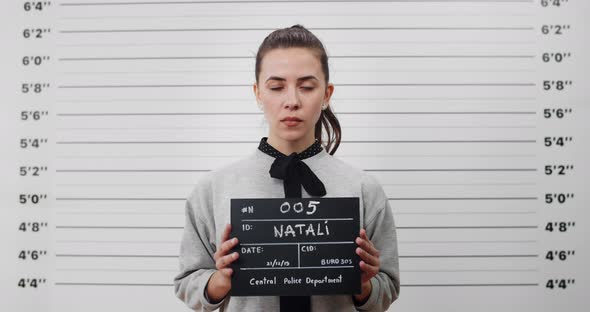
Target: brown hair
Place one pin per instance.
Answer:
(298, 36)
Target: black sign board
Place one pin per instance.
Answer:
(295, 246)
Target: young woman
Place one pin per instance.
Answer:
(292, 88)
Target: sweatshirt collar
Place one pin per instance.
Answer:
(310, 151)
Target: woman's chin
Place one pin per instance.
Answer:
(292, 134)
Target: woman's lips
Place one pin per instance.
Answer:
(291, 123)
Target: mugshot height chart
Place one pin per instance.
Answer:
(472, 114)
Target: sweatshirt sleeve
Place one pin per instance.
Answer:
(196, 251)
(380, 228)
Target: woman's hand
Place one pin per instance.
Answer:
(369, 265)
(220, 282)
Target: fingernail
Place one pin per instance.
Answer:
(234, 240)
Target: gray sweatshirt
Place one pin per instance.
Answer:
(207, 211)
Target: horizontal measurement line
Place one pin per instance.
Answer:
(297, 243)
(516, 84)
(474, 270)
(132, 170)
(299, 268)
(86, 31)
(191, 100)
(302, 14)
(393, 184)
(115, 242)
(117, 213)
(339, 219)
(237, 57)
(401, 256)
(117, 256)
(342, 155)
(287, 220)
(250, 142)
(192, 184)
(270, 1)
(469, 242)
(257, 114)
(116, 198)
(403, 285)
(391, 198)
(471, 256)
(393, 127)
(250, 127)
(469, 285)
(458, 169)
(463, 198)
(375, 170)
(326, 42)
(407, 70)
(118, 227)
(466, 213)
(173, 270)
(107, 284)
(115, 270)
(467, 227)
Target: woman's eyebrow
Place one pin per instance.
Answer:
(307, 78)
(275, 78)
(298, 79)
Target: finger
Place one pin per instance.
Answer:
(224, 237)
(226, 260)
(367, 273)
(363, 234)
(225, 248)
(369, 269)
(226, 232)
(228, 245)
(367, 257)
(368, 246)
(226, 272)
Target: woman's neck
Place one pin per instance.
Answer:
(288, 147)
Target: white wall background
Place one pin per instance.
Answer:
(137, 99)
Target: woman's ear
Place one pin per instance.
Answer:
(257, 96)
(255, 90)
(329, 92)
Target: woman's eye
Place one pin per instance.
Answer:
(280, 88)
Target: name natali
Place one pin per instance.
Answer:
(302, 229)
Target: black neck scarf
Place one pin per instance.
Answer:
(295, 173)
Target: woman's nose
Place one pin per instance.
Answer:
(292, 99)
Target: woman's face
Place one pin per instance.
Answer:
(291, 84)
